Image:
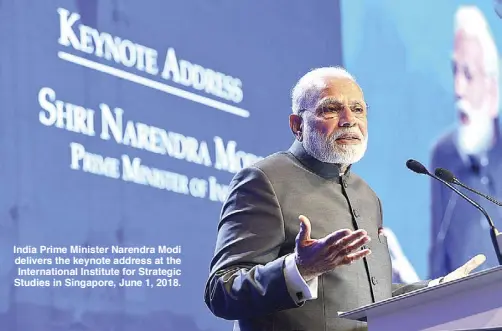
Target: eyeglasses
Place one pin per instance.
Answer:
(331, 108)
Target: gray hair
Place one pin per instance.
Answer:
(472, 22)
(306, 91)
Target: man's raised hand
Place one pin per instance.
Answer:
(317, 256)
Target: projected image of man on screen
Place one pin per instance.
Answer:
(472, 151)
(301, 235)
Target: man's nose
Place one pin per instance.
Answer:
(460, 86)
(346, 118)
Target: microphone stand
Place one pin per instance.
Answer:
(495, 235)
(487, 197)
(447, 177)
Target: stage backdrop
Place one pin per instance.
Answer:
(122, 123)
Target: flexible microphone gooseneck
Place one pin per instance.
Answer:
(496, 237)
(449, 177)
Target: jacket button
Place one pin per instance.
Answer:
(345, 184)
(374, 280)
(356, 212)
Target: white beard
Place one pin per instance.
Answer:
(327, 150)
(476, 137)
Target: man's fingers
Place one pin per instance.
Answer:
(305, 228)
(338, 251)
(473, 264)
(335, 236)
(349, 258)
(347, 240)
(356, 244)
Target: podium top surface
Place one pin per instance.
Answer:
(470, 282)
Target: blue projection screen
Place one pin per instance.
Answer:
(122, 123)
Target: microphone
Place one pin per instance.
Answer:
(419, 168)
(448, 176)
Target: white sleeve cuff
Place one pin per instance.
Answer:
(297, 287)
(435, 282)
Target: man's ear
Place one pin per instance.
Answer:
(296, 125)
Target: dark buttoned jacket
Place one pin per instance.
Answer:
(257, 230)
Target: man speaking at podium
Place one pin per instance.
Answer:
(301, 236)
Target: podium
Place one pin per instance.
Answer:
(470, 303)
